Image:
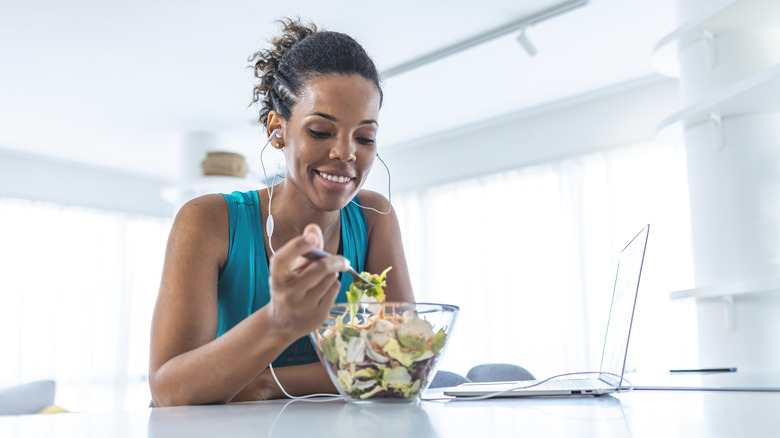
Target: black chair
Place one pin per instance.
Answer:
(498, 372)
(445, 379)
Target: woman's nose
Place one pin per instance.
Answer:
(343, 150)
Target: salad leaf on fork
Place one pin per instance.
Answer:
(357, 290)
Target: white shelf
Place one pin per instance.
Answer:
(730, 290)
(756, 94)
(722, 16)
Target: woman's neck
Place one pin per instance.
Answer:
(292, 212)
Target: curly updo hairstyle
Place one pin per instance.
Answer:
(300, 54)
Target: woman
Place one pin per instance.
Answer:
(234, 299)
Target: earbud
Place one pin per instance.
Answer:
(269, 223)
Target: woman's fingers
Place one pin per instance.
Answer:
(328, 297)
(302, 291)
(319, 275)
(286, 256)
(307, 277)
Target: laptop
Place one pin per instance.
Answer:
(613, 358)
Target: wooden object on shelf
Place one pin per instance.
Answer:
(224, 164)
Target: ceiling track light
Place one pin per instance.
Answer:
(521, 24)
(526, 43)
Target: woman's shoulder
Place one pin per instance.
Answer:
(207, 212)
(371, 199)
(205, 207)
(201, 226)
(378, 210)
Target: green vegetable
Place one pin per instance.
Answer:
(438, 341)
(417, 346)
(349, 332)
(358, 289)
(393, 349)
(329, 349)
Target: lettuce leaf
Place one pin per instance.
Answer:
(359, 289)
(438, 341)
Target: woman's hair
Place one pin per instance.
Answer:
(302, 53)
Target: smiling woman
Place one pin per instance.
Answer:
(232, 301)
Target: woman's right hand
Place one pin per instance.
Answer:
(303, 291)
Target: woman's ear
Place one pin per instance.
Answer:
(274, 130)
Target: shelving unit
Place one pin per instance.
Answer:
(735, 289)
(727, 56)
(179, 194)
(720, 17)
(759, 93)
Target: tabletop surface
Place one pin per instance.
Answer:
(626, 414)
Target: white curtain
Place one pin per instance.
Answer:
(78, 287)
(530, 257)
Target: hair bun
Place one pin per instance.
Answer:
(266, 62)
(300, 53)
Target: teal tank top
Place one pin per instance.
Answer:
(243, 284)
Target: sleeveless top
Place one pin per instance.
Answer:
(243, 284)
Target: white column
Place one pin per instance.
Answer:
(734, 176)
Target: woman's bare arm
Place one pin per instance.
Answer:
(188, 364)
(297, 380)
(385, 247)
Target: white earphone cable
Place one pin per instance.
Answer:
(535, 383)
(389, 194)
(310, 397)
(330, 397)
(269, 188)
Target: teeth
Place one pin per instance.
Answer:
(334, 178)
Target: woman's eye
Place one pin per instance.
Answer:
(365, 141)
(318, 134)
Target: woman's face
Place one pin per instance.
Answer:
(330, 139)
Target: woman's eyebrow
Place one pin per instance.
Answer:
(324, 115)
(334, 119)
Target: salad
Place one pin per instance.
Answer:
(378, 353)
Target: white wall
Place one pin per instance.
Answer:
(614, 117)
(40, 178)
(610, 118)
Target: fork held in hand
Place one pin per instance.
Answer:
(316, 254)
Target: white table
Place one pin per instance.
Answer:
(629, 414)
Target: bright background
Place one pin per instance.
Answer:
(529, 255)
(506, 169)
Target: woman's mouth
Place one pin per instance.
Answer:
(334, 178)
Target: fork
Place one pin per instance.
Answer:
(316, 254)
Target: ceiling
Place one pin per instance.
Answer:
(122, 84)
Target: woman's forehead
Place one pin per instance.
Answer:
(347, 98)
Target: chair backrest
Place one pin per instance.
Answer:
(28, 398)
(446, 379)
(498, 372)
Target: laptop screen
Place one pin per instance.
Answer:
(621, 313)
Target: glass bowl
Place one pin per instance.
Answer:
(383, 351)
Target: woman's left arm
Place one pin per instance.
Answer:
(385, 247)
